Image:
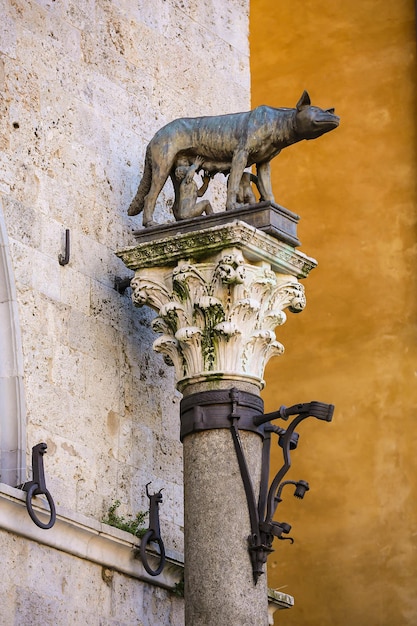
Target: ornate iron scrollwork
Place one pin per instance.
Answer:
(238, 410)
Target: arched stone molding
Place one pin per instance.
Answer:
(12, 404)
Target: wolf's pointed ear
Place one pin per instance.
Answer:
(304, 101)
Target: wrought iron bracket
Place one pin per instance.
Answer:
(37, 486)
(153, 534)
(270, 498)
(238, 410)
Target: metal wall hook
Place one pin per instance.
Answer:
(63, 259)
(121, 284)
(153, 534)
(37, 486)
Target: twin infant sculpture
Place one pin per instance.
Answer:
(223, 144)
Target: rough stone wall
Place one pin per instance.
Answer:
(46, 588)
(83, 87)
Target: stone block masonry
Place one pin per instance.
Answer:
(83, 87)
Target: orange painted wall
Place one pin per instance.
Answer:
(354, 562)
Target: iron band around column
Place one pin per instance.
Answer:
(208, 410)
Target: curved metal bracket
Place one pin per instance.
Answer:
(321, 411)
(263, 528)
(288, 438)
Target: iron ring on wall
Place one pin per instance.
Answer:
(32, 492)
(147, 538)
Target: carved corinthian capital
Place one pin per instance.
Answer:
(218, 317)
(219, 294)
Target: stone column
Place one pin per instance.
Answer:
(220, 292)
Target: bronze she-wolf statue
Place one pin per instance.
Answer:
(227, 143)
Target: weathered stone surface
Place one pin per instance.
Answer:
(82, 568)
(83, 86)
(167, 250)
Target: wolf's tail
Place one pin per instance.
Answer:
(136, 206)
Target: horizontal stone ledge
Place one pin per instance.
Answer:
(84, 537)
(255, 245)
(77, 535)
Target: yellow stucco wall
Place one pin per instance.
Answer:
(354, 562)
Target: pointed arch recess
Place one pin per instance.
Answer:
(12, 404)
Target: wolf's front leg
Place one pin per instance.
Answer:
(239, 162)
(263, 171)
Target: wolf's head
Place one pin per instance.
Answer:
(310, 121)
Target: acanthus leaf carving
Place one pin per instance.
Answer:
(188, 282)
(175, 316)
(150, 291)
(218, 316)
(230, 270)
(168, 346)
(190, 340)
(289, 295)
(261, 346)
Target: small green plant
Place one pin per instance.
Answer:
(178, 589)
(135, 526)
